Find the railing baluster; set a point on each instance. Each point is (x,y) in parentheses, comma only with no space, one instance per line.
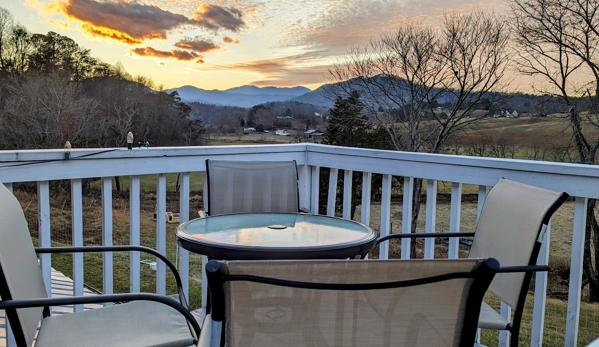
(43,200)
(314,189)
(107,235)
(134,232)
(332,196)
(385,215)
(184,191)
(10,337)
(540,298)
(574,292)
(454,220)
(366,192)
(406,221)
(77,235)
(431,214)
(304,186)
(161,232)
(347,193)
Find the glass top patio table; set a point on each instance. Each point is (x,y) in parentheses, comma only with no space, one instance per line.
(256,236)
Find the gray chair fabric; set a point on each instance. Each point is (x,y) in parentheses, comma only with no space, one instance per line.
(510,229)
(413,303)
(594,343)
(252,186)
(136,324)
(139,323)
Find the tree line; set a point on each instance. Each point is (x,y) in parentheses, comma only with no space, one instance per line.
(52,91)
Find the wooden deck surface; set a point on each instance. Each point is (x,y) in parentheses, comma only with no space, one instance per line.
(61,286)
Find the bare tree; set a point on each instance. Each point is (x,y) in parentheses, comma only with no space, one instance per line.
(559,45)
(403,78)
(6,23)
(44,111)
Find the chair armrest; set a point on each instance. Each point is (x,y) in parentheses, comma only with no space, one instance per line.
(525,268)
(94,299)
(182,300)
(202,214)
(422,235)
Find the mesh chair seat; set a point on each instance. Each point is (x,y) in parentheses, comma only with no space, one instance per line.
(490,319)
(510,229)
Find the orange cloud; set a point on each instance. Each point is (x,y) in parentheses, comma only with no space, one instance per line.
(176,54)
(133,23)
(197,45)
(228,39)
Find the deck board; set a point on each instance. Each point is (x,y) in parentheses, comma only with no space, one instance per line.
(61,286)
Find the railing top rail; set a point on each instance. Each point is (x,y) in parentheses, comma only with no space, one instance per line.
(38,165)
(575,179)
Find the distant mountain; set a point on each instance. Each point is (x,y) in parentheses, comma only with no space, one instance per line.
(244,96)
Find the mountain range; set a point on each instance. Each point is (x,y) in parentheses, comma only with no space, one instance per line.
(248,96)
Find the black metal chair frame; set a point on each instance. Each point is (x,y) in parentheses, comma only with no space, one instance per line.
(514,327)
(10,305)
(483,275)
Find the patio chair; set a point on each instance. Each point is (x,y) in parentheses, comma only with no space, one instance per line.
(251,186)
(346,302)
(147,320)
(511,228)
(594,343)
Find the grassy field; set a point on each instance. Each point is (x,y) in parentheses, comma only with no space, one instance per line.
(523,133)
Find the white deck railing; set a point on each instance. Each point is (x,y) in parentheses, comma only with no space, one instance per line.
(42,166)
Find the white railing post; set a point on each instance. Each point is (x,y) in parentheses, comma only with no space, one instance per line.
(431,218)
(406,221)
(366,192)
(107,235)
(385,216)
(77,235)
(574,292)
(43,200)
(10,337)
(304,186)
(332,197)
(184,192)
(347,193)
(454,220)
(134,232)
(161,232)
(314,189)
(540,298)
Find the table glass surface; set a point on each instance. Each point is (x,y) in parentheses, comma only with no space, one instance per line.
(277,230)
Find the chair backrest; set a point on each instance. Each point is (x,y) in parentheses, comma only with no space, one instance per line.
(20,273)
(252,186)
(363,303)
(510,229)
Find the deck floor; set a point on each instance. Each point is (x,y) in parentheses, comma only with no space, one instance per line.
(61,286)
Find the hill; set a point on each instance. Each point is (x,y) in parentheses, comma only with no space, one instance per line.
(244,96)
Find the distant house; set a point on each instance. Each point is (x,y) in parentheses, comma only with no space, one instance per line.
(314,134)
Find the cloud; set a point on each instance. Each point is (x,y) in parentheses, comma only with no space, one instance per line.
(228,39)
(216,17)
(291,70)
(177,54)
(197,45)
(133,23)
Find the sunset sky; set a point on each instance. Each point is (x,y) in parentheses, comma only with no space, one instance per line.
(223,44)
